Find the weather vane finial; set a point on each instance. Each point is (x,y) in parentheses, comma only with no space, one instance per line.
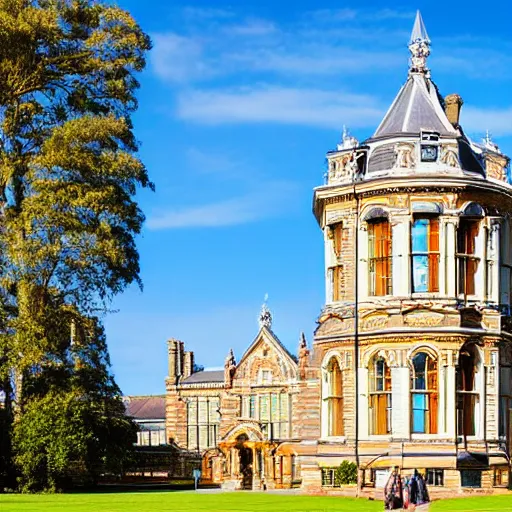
(265,318)
(419,46)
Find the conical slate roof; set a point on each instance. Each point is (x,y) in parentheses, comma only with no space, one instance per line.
(416,108)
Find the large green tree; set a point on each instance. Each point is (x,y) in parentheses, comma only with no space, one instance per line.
(69,172)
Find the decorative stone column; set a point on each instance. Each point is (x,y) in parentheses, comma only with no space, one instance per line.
(450,362)
(362,425)
(400,402)
(450,223)
(400,232)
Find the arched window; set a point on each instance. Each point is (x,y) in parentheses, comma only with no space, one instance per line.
(380,397)
(379,256)
(468,395)
(334,399)
(467,259)
(425,253)
(424,394)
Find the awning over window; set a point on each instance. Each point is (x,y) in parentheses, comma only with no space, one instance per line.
(426,207)
(376,213)
(473,460)
(473,210)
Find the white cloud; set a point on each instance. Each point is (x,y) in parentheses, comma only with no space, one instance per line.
(178,59)
(318,60)
(327,109)
(347,14)
(253,27)
(210,163)
(262,203)
(205,13)
(477,120)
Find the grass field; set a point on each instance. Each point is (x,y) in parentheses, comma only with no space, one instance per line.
(220,502)
(501,503)
(182,502)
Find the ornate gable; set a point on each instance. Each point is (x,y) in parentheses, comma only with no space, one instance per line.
(266,361)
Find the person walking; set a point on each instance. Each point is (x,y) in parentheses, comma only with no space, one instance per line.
(418,493)
(393,495)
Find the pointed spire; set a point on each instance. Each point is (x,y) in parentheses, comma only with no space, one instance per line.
(419,31)
(265,318)
(419,46)
(302,341)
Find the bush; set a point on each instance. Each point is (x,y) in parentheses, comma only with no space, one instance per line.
(346,473)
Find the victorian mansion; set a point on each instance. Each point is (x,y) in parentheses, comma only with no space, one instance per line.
(410,364)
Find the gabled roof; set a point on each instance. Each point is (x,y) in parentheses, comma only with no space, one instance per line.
(417,107)
(205,377)
(145,407)
(274,340)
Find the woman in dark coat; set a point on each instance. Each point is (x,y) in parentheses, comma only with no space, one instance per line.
(418,489)
(393,496)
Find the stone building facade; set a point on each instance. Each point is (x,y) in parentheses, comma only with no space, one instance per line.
(411,361)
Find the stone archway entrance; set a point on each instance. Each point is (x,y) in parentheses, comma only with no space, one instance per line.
(246,453)
(246,459)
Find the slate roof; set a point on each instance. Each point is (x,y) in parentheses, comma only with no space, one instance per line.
(145,407)
(382,158)
(417,107)
(204,377)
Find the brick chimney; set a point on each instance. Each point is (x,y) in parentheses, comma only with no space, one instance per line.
(188,366)
(453,104)
(175,350)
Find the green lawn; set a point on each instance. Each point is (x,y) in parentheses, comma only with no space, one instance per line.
(501,503)
(189,501)
(182,502)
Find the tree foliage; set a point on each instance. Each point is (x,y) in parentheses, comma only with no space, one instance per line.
(69,173)
(346,473)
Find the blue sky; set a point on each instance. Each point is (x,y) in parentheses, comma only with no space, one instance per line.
(238,105)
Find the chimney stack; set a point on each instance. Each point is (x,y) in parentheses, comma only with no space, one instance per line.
(188,367)
(175,350)
(453,104)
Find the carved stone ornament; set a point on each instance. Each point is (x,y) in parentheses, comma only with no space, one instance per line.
(229,369)
(343,168)
(303,356)
(374,322)
(404,156)
(398,201)
(423,319)
(450,157)
(332,325)
(393,358)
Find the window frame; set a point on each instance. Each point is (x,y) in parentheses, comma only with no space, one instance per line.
(380,397)
(433,255)
(277,422)
(334,399)
(435,473)
(466,259)
(380,255)
(468,400)
(430,393)
(211,424)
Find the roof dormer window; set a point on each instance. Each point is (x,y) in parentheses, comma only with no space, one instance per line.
(429,136)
